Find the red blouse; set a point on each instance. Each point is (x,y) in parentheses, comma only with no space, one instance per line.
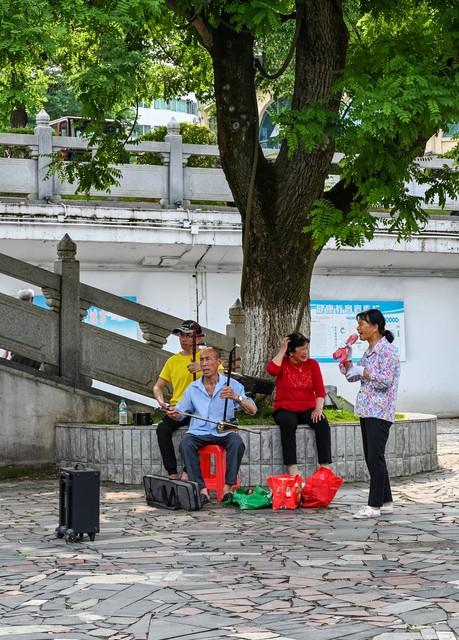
(297,386)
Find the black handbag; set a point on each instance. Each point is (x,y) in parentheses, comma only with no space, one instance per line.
(171,494)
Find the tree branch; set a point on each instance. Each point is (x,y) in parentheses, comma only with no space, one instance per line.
(284,17)
(272,76)
(198,22)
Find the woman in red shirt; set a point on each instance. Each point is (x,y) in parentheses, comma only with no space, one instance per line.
(299,398)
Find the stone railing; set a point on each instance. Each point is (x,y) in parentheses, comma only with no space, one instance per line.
(126,454)
(172,183)
(77,352)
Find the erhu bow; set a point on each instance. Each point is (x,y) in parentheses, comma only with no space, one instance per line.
(193,357)
(228,377)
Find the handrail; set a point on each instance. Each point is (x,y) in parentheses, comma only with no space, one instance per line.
(29,273)
(67,142)
(76,352)
(18,139)
(201,149)
(172,182)
(103,299)
(141,313)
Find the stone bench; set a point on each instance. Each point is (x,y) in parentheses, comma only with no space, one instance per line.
(126,454)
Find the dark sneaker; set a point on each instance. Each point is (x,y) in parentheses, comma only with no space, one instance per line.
(227,499)
(203,499)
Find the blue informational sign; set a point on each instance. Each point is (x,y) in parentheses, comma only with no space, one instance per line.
(105,319)
(333,321)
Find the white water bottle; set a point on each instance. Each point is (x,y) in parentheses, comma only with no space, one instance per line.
(123,412)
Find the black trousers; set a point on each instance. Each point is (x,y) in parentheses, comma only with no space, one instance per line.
(189,450)
(288,422)
(374,436)
(164,432)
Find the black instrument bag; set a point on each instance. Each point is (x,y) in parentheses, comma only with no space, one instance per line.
(171,494)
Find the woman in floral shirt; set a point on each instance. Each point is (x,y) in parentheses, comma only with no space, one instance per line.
(378,372)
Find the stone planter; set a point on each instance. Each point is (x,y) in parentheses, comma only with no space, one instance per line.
(126,454)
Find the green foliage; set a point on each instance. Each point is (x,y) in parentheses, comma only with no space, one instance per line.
(94,169)
(309,129)
(399,86)
(340,415)
(37,472)
(27,130)
(191,134)
(26,44)
(327,221)
(60,99)
(265,411)
(453,153)
(401,81)
(260,17)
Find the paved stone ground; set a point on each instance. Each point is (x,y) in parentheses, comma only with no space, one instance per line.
(221,573)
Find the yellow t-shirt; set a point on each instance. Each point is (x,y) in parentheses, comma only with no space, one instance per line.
(176,373)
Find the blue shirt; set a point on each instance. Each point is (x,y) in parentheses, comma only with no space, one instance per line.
(196,400)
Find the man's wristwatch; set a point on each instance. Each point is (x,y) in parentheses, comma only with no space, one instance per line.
(240,399)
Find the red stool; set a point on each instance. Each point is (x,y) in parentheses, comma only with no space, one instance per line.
(214,481)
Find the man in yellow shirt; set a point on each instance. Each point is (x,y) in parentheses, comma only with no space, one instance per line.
(179,372)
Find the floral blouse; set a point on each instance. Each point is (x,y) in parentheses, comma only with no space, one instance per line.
(377,397)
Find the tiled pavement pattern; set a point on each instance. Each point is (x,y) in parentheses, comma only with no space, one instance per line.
(221,573)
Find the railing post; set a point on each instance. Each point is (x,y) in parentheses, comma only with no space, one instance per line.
(44,134)
(69,327)
(236,328)
(174,138)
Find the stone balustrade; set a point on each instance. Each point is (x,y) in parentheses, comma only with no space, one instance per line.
(173,183)
(125,454)
(78,352)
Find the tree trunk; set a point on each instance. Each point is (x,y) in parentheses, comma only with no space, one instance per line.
(277,297)
(18,119)
(274,198)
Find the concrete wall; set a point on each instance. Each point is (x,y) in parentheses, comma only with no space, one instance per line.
(31,406)
(187,263)
(428,381)
(429,376)
(126,454)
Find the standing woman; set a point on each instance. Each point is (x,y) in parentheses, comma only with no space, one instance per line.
(299,399)
(378,372)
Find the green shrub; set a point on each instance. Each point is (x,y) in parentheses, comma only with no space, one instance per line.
(264,415)
(191,134)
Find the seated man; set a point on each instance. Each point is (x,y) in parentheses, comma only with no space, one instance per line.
(206,397)
(179,371)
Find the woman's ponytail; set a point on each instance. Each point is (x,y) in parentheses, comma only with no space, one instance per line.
(388,335)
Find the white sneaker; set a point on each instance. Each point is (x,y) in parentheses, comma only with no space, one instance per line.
(367,512)
(388,507)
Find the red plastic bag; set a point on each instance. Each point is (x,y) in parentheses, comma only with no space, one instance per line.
(320,488)
(286,490)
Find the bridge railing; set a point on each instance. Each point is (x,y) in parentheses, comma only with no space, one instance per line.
(78,352)
(172,182)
